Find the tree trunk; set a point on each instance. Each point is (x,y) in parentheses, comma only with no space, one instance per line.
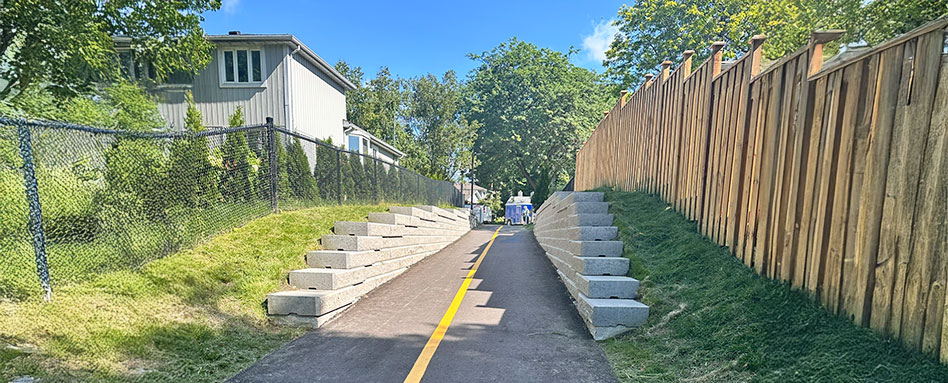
(523,170)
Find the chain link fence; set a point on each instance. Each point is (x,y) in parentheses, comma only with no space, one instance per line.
(76,201)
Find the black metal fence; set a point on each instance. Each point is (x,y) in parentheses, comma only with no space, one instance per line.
(76,201)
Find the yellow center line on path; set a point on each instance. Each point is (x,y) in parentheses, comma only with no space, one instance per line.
(421,364)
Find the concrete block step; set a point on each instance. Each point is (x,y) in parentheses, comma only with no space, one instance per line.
(552,201)
(584,208)
(407,220)
(572,203)
(582,233)
(443,213)
(426,215)
(308,321)
(583,197)
(462,213)
(388,230)
(401,219)
(613,312)
(590,265)
(606,318)
(311,303)
(597,286)
(334,279)
(576,220)
(607,286)
(352,259)
(357,243)
(585,248)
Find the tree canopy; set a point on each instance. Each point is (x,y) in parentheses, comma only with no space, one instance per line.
(434,115)
(423,113)
(373,105)
(68,45)
(535,109)
(651,31)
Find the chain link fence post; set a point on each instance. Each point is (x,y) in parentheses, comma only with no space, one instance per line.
(35,210)
(274,166)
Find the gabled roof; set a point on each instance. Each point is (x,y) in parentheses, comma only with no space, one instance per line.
(349,128)
(466,186)
(291,40)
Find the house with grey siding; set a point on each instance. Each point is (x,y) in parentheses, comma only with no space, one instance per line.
(359,140)
(269,75)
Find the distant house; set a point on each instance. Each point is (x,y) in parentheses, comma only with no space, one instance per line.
(271,75)
(479,192)
(360,141)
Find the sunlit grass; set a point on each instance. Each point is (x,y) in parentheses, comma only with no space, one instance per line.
(193,316)
(714,320)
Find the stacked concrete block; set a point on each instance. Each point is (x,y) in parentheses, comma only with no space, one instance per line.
(575,229)
(360,256)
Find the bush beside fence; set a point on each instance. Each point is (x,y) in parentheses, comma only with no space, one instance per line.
(79,200)
(833,179)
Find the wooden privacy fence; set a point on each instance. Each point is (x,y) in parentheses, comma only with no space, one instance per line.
(833,179)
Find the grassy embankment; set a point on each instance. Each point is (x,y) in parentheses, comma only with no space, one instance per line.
(194,316)
(714,320)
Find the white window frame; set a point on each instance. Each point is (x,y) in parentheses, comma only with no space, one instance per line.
(236,84)
(349,147)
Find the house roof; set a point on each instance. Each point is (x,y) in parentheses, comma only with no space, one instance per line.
(466,187)
(348,128)
(514,200)
(307,53)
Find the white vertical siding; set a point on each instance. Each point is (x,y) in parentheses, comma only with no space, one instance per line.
(318,104)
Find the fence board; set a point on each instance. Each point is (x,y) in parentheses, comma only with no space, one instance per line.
(864,115)
(787,214)
(931,226)
(836,226)
(747,177)
(918,118)
(779,182)
(731,145)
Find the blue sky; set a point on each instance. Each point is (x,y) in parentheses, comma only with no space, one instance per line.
(418,37)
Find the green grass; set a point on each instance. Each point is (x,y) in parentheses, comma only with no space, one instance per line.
(194,316)
(138,242)
(714,320)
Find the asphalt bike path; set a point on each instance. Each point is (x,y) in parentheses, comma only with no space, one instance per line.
(487,308)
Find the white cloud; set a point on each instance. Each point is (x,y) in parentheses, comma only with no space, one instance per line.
(597,43)
(229,6)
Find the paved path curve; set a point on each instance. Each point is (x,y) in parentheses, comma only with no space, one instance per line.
(515,324)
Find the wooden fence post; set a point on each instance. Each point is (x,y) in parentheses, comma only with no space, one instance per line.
(817,39)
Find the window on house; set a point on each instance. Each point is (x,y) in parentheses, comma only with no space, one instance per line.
(365,146)
(354,144)
(242,66)
(139,69)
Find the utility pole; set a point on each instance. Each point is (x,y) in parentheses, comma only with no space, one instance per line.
(472,179)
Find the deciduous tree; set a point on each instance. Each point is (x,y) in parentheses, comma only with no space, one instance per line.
(651,31)
(434,116)
(68,45)
(534,109)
